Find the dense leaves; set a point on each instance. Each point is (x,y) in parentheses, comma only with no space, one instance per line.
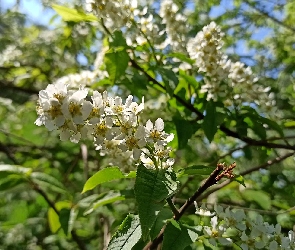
(59,195)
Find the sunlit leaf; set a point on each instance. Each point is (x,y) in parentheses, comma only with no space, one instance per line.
(73,15)
(53,218)
(105,175)
(240,179)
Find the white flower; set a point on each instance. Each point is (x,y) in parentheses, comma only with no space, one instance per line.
(273,245)
(203,211)
(156,133)
(97,107)
(115,127)
(50,106)
(103,130)
(135,108)
(115,106)
(214,231)
(235,218)
(76,107)
(134,142)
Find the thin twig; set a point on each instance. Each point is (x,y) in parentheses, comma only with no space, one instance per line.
(262,166)
(211,180)
(84,153)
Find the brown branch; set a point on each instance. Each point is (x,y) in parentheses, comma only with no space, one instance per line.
(9,85)
(211,180)
(262,166)
(5,149)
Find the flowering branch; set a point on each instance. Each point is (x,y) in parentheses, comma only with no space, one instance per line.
(224,129)
(220,171)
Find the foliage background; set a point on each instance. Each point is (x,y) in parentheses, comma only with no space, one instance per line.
(258,33)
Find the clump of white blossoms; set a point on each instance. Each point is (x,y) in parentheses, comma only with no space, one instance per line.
(113,125)
(231,81)
(205,49)
(176,27)
(115,14)
(245,232)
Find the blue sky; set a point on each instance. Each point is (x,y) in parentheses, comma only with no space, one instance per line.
(33,8)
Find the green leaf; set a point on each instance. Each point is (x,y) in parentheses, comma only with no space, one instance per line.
(240,179)
(164,215)
(11,181)
(289,124)
(210,124)
(105,198)
(73,15)
(189,79)
(15,169)
(241,126)
(116,60)
(170,80)
(13,175)
(196,170)
(19,212)
(184,130)
(273,125)
(72,219)
(261,198)
(181,57)
(105,175)
(48,181)
(109,198)
(53,218)
(259,129)
(151,189)
(178,236)
(64,217)
(139,245)
(117,40)
(127,235)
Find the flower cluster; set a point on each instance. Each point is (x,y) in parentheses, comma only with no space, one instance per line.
(115,14)
(224,78)
(205,49)
(9,55)
(176,27)
(113,125)
(248,233)
(84,78)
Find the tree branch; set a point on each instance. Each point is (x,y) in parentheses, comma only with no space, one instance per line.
(211,180)
(262,166)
